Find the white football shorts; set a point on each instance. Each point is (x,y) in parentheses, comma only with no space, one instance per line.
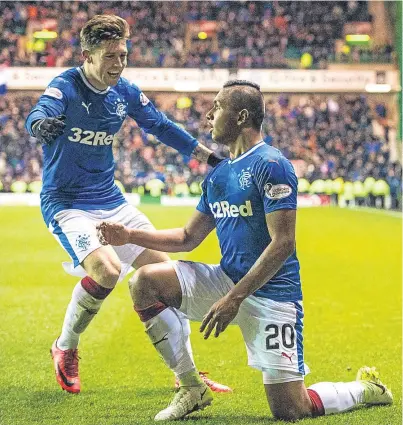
(272,330)
(76,232)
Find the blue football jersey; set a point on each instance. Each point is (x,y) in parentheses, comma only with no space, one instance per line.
(78,168)
(238,194)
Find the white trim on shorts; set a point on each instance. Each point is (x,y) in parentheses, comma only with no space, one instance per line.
(278,376)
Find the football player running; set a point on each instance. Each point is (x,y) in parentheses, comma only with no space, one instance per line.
(76,119)
(251,200)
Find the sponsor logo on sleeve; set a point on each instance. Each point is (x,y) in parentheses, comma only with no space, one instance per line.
(53,92)
(277,191)
(144,100)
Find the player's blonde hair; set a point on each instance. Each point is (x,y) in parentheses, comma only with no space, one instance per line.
(103,28)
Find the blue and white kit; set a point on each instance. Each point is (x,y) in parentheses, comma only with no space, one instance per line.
(78,167)
(238,194)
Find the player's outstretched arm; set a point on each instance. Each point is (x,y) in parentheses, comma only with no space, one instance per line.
(170,240)
(281,226)
(47,130)
(46,121)
(153,121)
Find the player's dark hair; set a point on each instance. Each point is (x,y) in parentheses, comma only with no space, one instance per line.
(247,95)
(233,83)
(103,28)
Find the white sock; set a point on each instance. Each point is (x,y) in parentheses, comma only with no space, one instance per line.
(338,397)
(169,338)
(82,309)
(186,332)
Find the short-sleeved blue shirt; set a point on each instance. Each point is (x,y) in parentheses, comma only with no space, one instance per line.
(78,167)
(239,194)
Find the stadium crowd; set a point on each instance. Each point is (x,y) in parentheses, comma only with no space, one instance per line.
(328,137)
(248,34)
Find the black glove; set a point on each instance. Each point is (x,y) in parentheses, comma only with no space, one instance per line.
(214,160)
(48,130)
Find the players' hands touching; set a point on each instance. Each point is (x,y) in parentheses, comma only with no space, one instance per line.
(220,315)
(204,154)
(48,130)
(112,233)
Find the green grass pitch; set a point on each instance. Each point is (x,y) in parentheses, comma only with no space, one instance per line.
(351,271)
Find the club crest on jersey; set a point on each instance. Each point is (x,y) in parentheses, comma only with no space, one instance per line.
(277,191)
(83,242)
(121,109)
(245,178)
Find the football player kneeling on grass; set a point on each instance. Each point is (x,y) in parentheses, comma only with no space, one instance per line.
(251,201)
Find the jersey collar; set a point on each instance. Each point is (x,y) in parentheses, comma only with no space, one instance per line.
(88,84)
(248,152)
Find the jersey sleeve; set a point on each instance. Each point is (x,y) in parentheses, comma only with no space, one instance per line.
(152,121)
(203,205)
(277,184)
(52,103)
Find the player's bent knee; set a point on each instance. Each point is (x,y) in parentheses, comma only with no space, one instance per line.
(111,276)
(155,283)
(290,413)
(288,401)
(143,286)
(106,273)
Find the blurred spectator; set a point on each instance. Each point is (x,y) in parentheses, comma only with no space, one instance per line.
(395,185)
(331,134)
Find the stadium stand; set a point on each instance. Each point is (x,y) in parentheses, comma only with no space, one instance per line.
(327,137)
(272,34)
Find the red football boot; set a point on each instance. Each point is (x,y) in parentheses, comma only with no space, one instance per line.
(66,368)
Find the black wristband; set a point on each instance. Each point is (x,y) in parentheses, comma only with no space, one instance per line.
(213,160)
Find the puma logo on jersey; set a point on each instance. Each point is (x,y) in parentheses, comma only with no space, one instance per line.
(224,209)
(87,107)
(287,356)
(89,137)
